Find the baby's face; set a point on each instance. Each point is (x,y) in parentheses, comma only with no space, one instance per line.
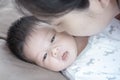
(51,50)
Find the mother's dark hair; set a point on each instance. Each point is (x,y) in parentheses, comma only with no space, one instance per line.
(50,8)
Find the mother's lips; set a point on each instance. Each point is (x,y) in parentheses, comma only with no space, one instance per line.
(64,56)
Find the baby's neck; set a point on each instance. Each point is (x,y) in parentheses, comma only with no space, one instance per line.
(81,43)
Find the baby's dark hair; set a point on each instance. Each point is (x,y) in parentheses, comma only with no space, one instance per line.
(17,34)
(50,8)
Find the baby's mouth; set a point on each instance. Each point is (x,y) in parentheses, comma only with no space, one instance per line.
(65,55)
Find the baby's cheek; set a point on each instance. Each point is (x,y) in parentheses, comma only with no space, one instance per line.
(54,65)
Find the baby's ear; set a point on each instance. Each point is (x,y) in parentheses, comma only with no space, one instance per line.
(104,3)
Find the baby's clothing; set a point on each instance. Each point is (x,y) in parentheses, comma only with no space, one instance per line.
(100,60)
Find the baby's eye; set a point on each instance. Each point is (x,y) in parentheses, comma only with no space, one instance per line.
(53,38)
(45,56)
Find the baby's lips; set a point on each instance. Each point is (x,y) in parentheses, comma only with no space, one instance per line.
(65,55)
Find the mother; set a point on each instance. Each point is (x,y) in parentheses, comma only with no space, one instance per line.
(76,17)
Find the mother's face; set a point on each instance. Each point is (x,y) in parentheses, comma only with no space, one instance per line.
(85,22)
(81,23)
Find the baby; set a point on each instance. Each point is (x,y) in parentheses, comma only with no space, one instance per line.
(79,58)
(35,41)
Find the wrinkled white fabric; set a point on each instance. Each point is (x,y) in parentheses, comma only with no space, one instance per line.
(100,60)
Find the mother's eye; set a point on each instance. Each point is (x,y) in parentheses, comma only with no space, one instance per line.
(52,39)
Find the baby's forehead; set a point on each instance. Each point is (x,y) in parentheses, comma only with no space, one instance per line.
(40,31)
(43,25)
(43,29)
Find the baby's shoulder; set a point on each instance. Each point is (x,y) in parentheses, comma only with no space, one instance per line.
(113,29)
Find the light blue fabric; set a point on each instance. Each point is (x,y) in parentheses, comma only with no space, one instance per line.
(100,60)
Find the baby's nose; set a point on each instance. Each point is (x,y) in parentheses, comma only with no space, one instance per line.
(55,51)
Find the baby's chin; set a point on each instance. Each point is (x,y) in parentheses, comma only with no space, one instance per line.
(57,69)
